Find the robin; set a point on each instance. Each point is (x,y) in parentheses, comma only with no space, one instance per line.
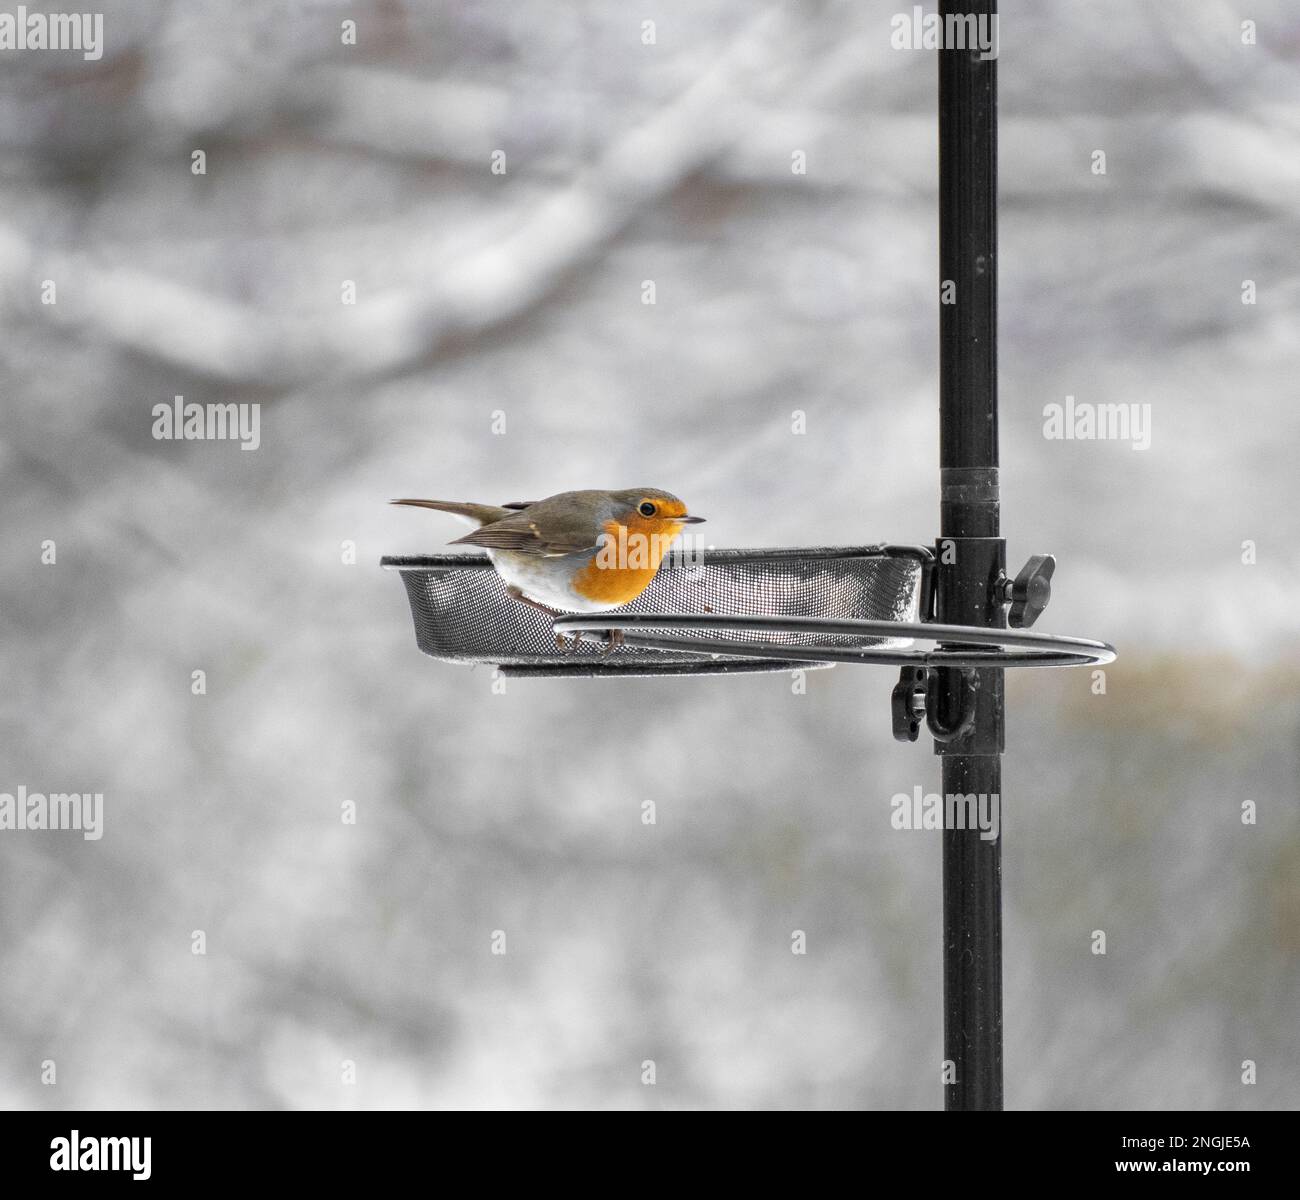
(584,552)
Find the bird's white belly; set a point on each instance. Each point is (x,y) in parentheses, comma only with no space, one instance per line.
(546,580)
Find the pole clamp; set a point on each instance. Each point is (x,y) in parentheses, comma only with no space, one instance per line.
(915,698)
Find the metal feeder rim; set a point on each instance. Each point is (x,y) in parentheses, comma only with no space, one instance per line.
(1030,649)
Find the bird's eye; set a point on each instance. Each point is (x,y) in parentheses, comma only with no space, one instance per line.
(646,509)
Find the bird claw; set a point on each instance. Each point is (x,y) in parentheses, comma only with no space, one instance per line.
(612,639)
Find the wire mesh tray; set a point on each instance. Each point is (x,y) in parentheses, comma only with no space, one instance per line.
(463,615)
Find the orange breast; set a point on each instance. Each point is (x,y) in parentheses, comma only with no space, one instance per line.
(627,562)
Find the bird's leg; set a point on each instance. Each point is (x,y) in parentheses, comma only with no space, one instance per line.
(613,640)
(516,593)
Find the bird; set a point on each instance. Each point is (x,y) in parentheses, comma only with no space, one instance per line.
(585,552)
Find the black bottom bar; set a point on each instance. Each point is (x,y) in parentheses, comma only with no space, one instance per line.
(369,1152)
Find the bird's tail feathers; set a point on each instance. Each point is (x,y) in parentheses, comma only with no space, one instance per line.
(478,514)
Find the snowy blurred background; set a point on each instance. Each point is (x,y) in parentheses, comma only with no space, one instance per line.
(630,160)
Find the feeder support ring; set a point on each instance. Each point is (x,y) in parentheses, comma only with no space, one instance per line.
(960,645)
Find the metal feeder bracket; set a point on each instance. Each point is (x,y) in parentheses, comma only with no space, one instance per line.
(915,698)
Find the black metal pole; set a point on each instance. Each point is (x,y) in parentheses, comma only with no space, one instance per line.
(971,554)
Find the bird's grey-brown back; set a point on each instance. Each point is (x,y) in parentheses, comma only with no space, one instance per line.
(566,523)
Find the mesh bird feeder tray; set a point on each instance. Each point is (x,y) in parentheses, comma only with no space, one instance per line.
(700,616)
(463,615)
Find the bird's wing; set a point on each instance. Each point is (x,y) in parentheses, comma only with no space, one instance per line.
(520,504)
(522,533)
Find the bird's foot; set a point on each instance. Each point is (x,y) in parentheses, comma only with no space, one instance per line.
(609,639)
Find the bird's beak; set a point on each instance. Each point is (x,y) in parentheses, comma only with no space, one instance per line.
(691,520)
